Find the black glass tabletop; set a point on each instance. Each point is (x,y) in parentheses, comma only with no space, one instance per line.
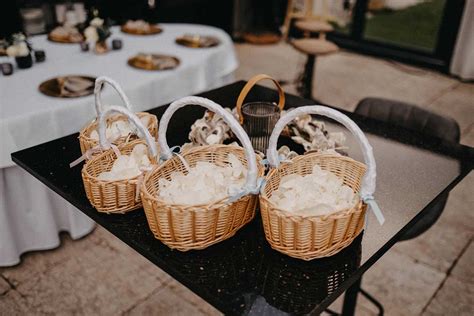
(243,275)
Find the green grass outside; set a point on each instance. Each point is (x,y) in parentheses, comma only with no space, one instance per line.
(416,26)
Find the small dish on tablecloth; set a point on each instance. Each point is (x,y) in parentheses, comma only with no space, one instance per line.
(197,41)
(153,61)
(66,35)
(140,27)
(68,86)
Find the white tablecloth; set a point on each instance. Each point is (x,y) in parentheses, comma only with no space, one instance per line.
(30,214)
(25,112)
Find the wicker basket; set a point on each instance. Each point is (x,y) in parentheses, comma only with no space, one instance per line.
(186,227)
(310,237)
(119,196)
(87,143)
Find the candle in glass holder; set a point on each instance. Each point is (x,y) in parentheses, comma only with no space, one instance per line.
(40,56)
(7,69)
(117,44)
(84,46)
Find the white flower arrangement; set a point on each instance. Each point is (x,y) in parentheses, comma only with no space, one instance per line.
(204,183)
(97,22)
(97,31)
(19,48)
(91,34)
(318,193)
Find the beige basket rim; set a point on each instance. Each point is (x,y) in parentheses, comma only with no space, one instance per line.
(85,132)
(183,207)
(336,214)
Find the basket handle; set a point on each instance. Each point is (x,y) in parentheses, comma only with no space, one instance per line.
(249,85)
(368,182)
(99,83)
(166,153)
(133,118)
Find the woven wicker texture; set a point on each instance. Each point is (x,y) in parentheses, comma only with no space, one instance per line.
(115,196)
(111,196)
(186,227)
(88,143)
(316,236)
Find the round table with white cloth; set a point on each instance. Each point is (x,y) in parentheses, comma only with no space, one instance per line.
(30,214)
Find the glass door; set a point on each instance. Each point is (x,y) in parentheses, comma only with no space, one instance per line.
(407,23)
(421,32)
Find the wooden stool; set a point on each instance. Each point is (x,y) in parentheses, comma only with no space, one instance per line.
(314,26)
(296,11)
(312,47)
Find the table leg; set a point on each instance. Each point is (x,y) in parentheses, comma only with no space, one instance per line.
(350,299)
(305,85)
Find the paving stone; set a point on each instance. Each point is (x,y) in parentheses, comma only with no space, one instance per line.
(164,302)
(361,308)
(457,103)
(467,137)
(441,245)
(402,285)
(463,270)
(280,61)
(458,211)
(4,286)
(38,262)
(98,280)
(102,236)
(12,303)
(343,79)
(438,247)
(454,298)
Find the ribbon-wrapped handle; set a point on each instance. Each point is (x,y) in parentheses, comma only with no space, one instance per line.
(166,153)
(369,180)
(99,83)
(133,119)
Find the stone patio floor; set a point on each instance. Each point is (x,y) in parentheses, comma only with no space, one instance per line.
(431,275)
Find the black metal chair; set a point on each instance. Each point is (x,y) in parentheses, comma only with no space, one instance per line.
(423,121)
(414,118)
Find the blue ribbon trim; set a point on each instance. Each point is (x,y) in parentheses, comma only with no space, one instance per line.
(245,191)
(173,151)
(370,201)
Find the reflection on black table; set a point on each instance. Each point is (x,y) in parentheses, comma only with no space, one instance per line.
(243,275)
(296,286)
